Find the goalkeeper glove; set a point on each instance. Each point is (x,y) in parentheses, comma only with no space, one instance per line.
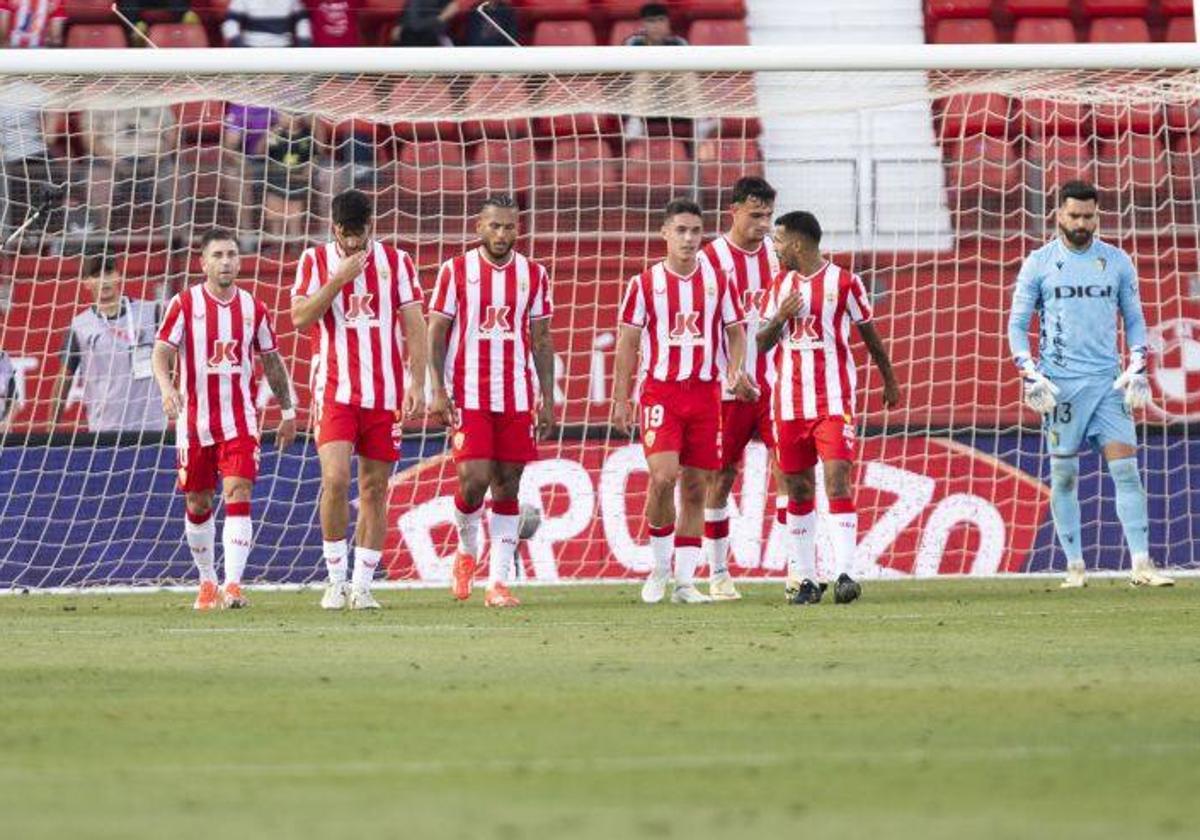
(1040,392)
(1134,382)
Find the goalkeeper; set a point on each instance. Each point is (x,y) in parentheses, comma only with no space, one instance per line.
(1077,284)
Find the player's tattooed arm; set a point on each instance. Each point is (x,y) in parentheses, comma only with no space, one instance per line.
(440,406)
(162,360)
(543,362)
(891,390)
(281,387)
(623,414)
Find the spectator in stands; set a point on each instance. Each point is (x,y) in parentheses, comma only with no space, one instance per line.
(335,22)
(8,391)
(32,23)
(289,173)
(108,346)
(423,23)
(267,23)
(480,33)
(25,167)
(243,164)
(131,161)
(656,29)
(142,13)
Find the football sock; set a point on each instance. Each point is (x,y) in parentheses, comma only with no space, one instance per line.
(237,535)
(365,561)
(687,558)
(466,522)
(334,552)
(802,541)
(1064,505)
(844,519)
(1131,506)
(662,545)
(200,531)
(716,540)
(502,540)
(781,509)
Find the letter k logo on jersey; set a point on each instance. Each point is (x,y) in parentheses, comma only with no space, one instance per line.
(753,301)
(687,325)
(224,355)
(496,321)
(359,308)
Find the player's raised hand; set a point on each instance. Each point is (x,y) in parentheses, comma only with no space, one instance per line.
(286,433)
(441,407)
(545,424)
(349,268)
(623,416)
(789,306)
(172,403)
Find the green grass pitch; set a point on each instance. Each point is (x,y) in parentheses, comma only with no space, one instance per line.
(946,709)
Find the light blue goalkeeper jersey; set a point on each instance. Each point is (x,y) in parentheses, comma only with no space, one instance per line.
(1076,295)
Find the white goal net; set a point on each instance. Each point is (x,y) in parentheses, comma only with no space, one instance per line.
(931,184)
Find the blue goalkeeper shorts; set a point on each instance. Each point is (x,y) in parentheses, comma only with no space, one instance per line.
(1088,409)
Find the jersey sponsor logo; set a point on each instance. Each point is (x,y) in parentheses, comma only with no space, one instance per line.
(686,329)
(753,301)
(802,333)
(359,312)
(225,357)
(1070,292)
(497,322)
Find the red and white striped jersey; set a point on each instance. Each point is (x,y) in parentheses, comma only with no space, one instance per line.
(360,359)
(216,341)
(751,273)
(682,320)
(489,358)
(815,375)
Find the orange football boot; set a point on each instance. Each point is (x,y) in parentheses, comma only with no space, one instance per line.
(232,597)
(499,596)
(209,597)
(464,575)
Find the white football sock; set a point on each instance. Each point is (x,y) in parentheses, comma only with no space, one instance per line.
(365,561)
(502,545)
(467,526)
(716,540)
(845,536)
(200,539)
(802,544)
(687,558)
(334,552)
(662,546)
(237,536)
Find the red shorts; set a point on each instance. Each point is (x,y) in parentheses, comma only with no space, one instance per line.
(800,442)
(481,435)
(741,422)
(375,432)
(198,465)
(683,417)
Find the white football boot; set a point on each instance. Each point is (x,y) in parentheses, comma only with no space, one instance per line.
(334,597)
(1145,574)
(655,588)
(362,599)
(721,588)
(689,594)
(1076,577)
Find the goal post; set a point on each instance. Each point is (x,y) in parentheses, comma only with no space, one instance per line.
(932,169)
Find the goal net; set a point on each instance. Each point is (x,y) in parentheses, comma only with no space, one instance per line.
(932,184)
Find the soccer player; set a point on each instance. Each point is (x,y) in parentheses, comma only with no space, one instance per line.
(810,308)
(489,333)
(215,330)
(747,256)
(361,294)
(1078,284)
(675,311)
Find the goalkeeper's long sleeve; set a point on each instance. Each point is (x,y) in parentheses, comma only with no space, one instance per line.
(1025,303)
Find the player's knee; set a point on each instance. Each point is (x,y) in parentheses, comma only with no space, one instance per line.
(801,488)
(719,487)
(663,481)
(837,481)
(199,504)
(336,483)
(1064,473)
(1124,472)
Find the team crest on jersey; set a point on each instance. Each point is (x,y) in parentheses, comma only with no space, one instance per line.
(649,437)
(459,439)
(497,322)
(1101,264)
(710,287)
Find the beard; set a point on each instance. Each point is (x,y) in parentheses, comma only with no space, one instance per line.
(1078,238)
(497,250)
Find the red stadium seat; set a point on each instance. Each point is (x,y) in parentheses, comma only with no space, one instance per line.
(711,9)
(333,95)
(1044,117)
(433,167)
(621,30)
(618,9)
(964,32)
(1119,30)
(946,9)
(1038,8)
(564,33)
(1044,31)
(1063,159)
(578,167)
(722,162)
(79,11)
(1115,120)
(983,164)
(1181,30)
(976,113)
(657,163)
(497,93)
(586,124)
(501,166)
(1132,162)
(1180,8)
(535,10)
(1185,165)
(1184,118)
(183,35)
(709,32)
(430,96)
(200,120)
(1115,8)
(96,36)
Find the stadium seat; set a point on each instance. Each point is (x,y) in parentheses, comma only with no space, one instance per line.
(622,29)
(1185,165)
(1119,30)
(1115,8)
(982,163)
(96,36)
(429,96)
(1035,30)
(710,9)
(1062,159)
(1038,8)
(1115,120)
(184,35)
(497,93)
(1044,117)
(535,10)
(577,167)
(1181,30)
(1132,162)
(976,113)
(657,164)
(964,32)
(82,11)
(435,166)
(710,32)
(200,120)
(564,33)
(1176,8)
(946,9)
(501,166)
(721,162)
(344,95)
(617,9)
(1184,118)
(587,124)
